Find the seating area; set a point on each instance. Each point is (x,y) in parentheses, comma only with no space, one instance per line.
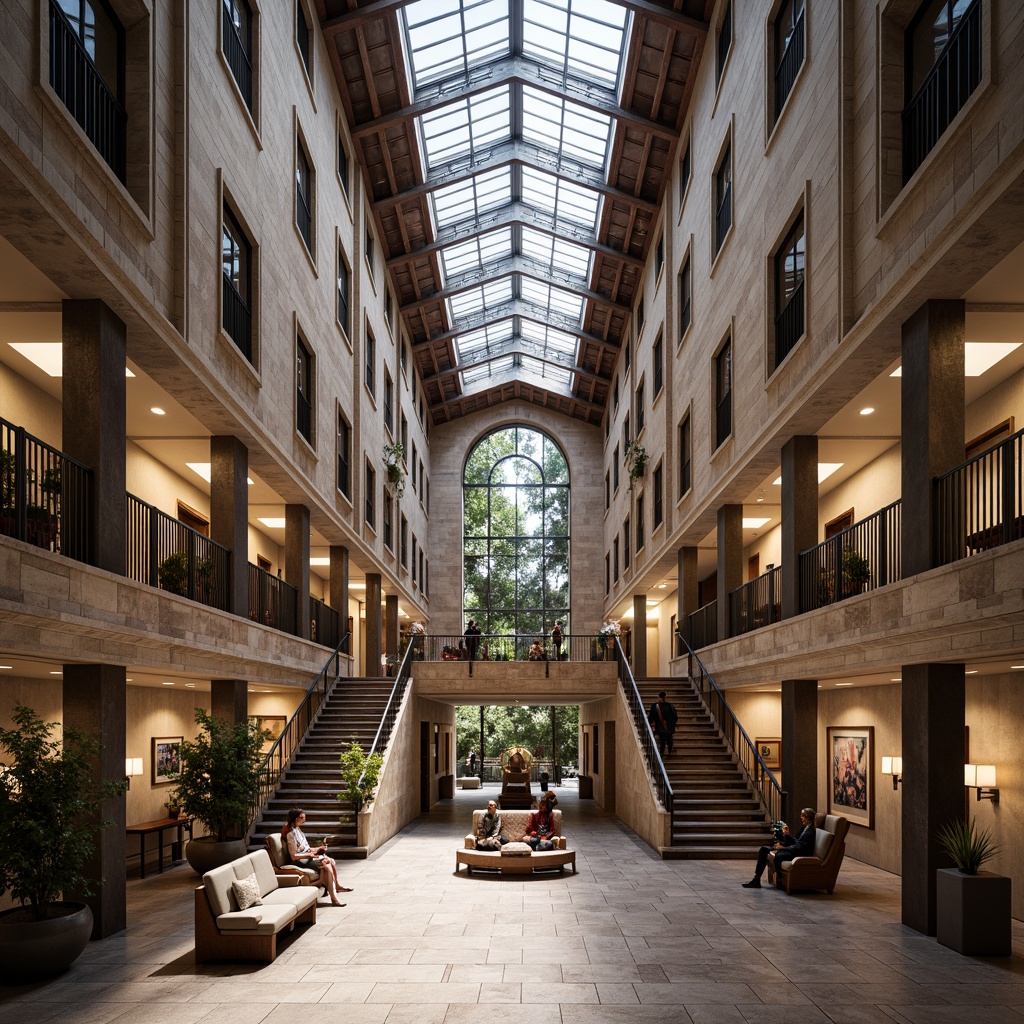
(277,847)
(516,858)
(242,907)
(820,870)
(468,782)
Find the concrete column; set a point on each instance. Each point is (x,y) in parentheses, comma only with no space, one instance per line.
(94,702)
(373,625)
(339,590)
(799,747)
(932,403)
(93,419)
(639,636)
(688,595)
(799,514)
(391,625)
(296,562)
(229,514)
(229,699)
(933,780)
(730,561)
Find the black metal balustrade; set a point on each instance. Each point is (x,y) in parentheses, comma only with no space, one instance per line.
(324,623)
(791,62)
(272,601)
(393,706)
(862,557)
(757,603)
(496,647)
(237,318)
(161,552)
(980,504)
(789,324)
(237,57)
(955,75)
(45,497)
(703,625)
(303,416)
(78,83)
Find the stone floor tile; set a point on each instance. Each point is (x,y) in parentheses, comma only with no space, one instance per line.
(385,992)
(497,992)
(616,992)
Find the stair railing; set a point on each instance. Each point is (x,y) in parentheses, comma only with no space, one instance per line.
(758,774)
(387,720)
(658,774)
(279,756)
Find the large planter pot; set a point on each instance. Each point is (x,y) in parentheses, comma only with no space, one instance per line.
(205,853)
(973,912)
(30,950)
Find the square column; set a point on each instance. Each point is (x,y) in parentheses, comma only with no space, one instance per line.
(730,561)
(296,562)
(933,780)
(932,411)
(229,514)
(799,747)
(339,590)
(688,593)
(799,514)
(391,625)
(639,636)
(94,702)
(373,625)
(93,420)
(229,699)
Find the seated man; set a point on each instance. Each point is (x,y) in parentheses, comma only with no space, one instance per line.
(488,836)
(536,652)
(540,832)
(786,848)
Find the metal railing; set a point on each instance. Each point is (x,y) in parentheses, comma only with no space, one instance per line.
(237,57)
(272,601)
(980,504)
(324,623)
(952,79)
(162,552)
(277,759)
(789,324)
(45,497)
(703,625)
(497,647)
(303,416)
(237,318)
(391,709)
(758,774)
(78,83)
(862,557)
(790,63)
(757,603)
(648,742)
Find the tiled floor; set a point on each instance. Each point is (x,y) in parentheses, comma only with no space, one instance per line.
(631,938)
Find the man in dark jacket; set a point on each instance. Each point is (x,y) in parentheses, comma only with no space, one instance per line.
(663,719)
(786,848)
(472,636)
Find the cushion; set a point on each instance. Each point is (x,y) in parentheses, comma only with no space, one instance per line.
(218,889)
(516,850)
(263,866)
(247,891)
(822,842)
(240,921)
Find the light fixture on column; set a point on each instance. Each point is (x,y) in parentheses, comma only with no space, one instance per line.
(893,766)
(132,768)
(982,777)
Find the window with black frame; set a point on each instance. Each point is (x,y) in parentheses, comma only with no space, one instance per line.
(658,365)
(236,267)
(723,393)
(625,543)
(236,43)
(304,195)
(302,37)
(344,456)
(789,291)
(724,43)
(304,389)
(389,402)
(343,164)
(343,294)
(386,518)
(723,198)
(370,378)
(640,539)
(658,495)
(684,174)
(789,44)
(685,445)
(370,506)
(684,298)
(943,64)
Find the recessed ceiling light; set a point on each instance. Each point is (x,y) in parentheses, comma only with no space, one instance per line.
(48,356)
(825,470)
(272,522)
(157,411)
(56,673)
(1012,666)
(662,586)
(755,523)
(867,410)
(168,683)
(972,672)
(979,356)
(319,561)
(6,666)
(844,684)
(128,679)
(896,679)
(190,686)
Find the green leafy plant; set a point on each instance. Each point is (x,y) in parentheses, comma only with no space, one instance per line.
(173,573)
(856,571)
(967,846)
(6,480)
(394,464)
(49,811)
(360,775)
(220,774)
(636,460)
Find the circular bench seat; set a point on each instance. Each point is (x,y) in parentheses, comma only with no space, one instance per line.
(546,860)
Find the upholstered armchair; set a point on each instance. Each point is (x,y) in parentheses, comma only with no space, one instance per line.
(820,870)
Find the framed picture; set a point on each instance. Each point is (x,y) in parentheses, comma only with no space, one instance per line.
(851,752)
(166,758)
(274,724)
(770,748)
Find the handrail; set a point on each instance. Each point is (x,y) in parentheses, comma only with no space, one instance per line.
(758,774)
(658,772)
(387,719)
(498,647)
(280,754)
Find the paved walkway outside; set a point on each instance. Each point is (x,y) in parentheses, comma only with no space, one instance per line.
(631,938)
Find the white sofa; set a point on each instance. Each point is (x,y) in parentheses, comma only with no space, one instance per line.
(513,860)
(225,932)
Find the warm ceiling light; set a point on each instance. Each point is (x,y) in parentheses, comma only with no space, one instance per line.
(662,586)
(190,686)
(755,523)
(896,679)
(972,672)
(128,679)
(48,356)
(825,470)
(1012,666)
(157,411)
(867,410)
(6,666)
(56,673)
(319,561)
(357,586)
(203,469)
(844,684)
(273,524)
(167,683)
(979,356)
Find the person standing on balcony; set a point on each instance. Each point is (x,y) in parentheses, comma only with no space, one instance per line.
(663,719)
(472,636)
(556,639)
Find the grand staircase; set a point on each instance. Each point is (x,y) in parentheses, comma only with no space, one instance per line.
(353,710)
(716,814)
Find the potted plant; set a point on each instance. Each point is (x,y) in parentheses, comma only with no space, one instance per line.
(360,775)
(394,465)
(856,571)
(607,634)
(972,906)
(173,573)
(636,460)
(49,820)
(218,785)
(173,809)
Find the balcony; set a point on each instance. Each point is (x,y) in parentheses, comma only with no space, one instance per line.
(757,603)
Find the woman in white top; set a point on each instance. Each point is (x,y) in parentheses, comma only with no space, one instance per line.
(306,856)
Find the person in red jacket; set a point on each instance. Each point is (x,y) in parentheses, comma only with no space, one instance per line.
(540,832)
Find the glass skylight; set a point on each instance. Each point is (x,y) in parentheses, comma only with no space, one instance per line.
(460,129)
(549,338)
(562,126)
(556,253)
(476,253)
(566,200)
(448,37)
(582,37)
(484,341)
(470,198)
(482,297)
(557,299)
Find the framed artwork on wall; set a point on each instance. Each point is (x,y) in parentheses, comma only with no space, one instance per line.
(166,758)
(851,751)
(274,724)
(770,749)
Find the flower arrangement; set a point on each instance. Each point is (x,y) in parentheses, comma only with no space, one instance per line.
(417,628)
(610,628)
(394,464)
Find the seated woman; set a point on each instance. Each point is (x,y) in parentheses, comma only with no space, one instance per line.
(540,832)
(488,835)
(536,652)
(304,855)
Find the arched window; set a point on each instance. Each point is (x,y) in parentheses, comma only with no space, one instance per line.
(516,533)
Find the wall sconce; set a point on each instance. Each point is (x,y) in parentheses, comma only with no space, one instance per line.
(982,777)
(132,768)
(893,766)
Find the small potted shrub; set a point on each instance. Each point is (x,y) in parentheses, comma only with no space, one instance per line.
(173,573)
(856,571)
(360,774)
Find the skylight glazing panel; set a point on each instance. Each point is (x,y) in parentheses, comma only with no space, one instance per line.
(473,300)
(556,299)
(556,253)
(472,198)
(448,37)
(549,338)
(564,127)
(476,253)
(584,37)
(566,200)
(547,372)
(484,340)
(496,367)
(460,129)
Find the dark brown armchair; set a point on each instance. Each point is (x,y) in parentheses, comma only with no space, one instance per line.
(820,870)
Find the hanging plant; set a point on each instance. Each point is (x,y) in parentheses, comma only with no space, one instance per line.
(394,465)
(636,461)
